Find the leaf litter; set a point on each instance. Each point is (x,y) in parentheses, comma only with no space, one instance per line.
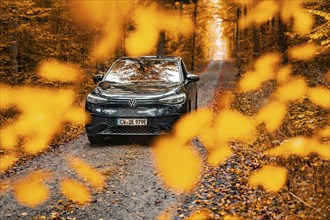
(226,190)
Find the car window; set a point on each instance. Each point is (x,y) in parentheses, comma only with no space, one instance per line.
(145,70)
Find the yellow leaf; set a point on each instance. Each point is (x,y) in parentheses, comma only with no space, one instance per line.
(95,178)
(303,22)
(219,155)
(270,177)
(284,74)
(272,115)
(208,138)
(303,52)
(57,71)
(75,191)
(40,119)
(292,90)
(190,125)
(323,150)
(301,146)
(297,145)
(233,125)
(289,8)
(31,190)
(149,22)
(178,165)
(264,70)
(77,116)
(261,13)
(250,82)
(319,96)
(8,138)
(266,65)
(7,160)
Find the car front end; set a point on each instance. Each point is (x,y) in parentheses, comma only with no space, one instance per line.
(137,98)
(135,115)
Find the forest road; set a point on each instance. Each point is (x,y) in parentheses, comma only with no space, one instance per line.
(133,189)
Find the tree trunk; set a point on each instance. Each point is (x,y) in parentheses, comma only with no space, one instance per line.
(256,42)
(282,39)
(194,38)
(180,35)
(161,38)
(161,44)
(13,49)
(238,56)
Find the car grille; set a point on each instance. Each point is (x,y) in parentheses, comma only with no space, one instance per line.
(154,125)
(133,130)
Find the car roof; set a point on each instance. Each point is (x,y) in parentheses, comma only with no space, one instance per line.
(174,58)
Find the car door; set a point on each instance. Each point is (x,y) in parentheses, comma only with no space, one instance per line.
(191,88)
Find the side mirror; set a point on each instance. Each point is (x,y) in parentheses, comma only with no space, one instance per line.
(192,78)
(97,78)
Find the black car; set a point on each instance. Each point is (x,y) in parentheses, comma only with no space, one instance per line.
(143,96)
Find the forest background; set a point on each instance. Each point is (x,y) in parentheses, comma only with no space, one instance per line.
(34,31)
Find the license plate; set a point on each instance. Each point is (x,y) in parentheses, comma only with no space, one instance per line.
(132,121)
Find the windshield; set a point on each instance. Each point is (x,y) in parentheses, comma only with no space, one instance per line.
(148,70)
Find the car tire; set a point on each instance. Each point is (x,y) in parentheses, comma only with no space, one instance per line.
(96,139)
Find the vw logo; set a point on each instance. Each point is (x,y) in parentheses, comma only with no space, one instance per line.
(132,102)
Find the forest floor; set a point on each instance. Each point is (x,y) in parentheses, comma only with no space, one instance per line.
(224,190)
(133,190)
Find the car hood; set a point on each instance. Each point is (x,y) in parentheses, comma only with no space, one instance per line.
(134,90)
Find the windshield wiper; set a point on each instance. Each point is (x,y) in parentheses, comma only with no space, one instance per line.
(109,81)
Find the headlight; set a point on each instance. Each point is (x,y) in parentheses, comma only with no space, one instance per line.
(95,99)
(175,99)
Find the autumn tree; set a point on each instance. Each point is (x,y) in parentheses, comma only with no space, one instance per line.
(38,30)
(246,44)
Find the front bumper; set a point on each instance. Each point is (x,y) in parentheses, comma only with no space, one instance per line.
(160,117)
(107,126)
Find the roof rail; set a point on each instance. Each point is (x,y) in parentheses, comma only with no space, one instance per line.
(161,57)
(148,57)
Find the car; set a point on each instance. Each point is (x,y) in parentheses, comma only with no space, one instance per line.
(140,96)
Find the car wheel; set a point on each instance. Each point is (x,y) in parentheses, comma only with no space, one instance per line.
(96,139)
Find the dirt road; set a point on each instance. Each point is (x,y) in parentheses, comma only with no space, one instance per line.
(133,189)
